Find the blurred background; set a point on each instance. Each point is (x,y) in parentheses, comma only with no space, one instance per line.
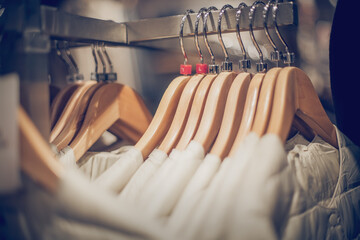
(149,71)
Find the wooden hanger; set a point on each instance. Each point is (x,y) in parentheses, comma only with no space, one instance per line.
(295,95)
(69,108)
(111,103)
(196,111)
(59,102)
(181,115)
(37,159)
(232,115)
(265,102)
(73,124)
(214,110)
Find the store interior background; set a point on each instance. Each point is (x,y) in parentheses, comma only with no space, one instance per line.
(150,70)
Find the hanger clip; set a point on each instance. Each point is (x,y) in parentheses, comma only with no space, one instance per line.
(289,58)
(213,68)
(244,64)
(261,67)
(226,66)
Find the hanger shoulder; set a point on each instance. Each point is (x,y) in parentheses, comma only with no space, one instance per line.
(214,109)
(247,120)
(111,103)
(196,111)
(60,101)
(37,159)
(76,118)
(295,94)
(161,120)
(232,116)
(265,102)
(69,109)
(181,114)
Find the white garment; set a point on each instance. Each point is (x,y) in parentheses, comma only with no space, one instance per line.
(118,175)
(77,210)
(192,194)
(164,197)
(217,198)
(138,181)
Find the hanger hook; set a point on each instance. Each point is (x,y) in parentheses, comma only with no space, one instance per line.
(261,66)
(243,63)
(101,57)
(94,74)
(196,33)
(72,60)
(185,69)
(213,67)
(289,57)
(200,67)
(111,75)
(276,55)
(63,59)
(226,65)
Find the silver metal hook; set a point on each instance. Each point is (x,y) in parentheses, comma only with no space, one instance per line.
(213,67)
(276,54)
(196,32)
(93,75)
(288,57)
(72,60)
(243,63)
(261,66)
(101,57)
(222,11)
(181,34)
(111,75)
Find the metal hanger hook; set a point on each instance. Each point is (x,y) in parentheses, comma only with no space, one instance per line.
(181,33)
(261,66)
(72,60)
(276,54)
(243,63)
(196,32)
(212,8)
(289,57)
(222,11)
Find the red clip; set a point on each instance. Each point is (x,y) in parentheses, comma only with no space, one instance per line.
(202,68)
(185,69)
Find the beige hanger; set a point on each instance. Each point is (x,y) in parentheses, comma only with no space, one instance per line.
(232,115)
(295,94)
(73,124)
(37,159)
(235,100)
(214,110)
(69,108)
(202,91)
(111,103)
(60,101)
(163,116)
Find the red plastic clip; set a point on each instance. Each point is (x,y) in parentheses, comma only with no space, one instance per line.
(202,68)
(185,69)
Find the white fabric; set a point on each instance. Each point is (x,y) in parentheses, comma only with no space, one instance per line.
(138,181)
(67,158)
(192,194)
(207,220)
(118,175)
(164,197)
(78,210)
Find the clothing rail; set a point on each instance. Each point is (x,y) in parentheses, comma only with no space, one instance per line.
(61,25)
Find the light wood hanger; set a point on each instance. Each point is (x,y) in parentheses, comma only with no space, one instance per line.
(196,111)
(111,103)
(37,159)
(163,116)
(202,91)
(73,124)
(253,90)
(181,115)
(265,102)
(232,115)
(214,110)
(60,101)
(69,108)
(295,95)
(236,98)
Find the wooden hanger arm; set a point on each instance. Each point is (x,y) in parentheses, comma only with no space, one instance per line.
(295,94)
(37,159)
(181,115)
(162,118)
(196,111)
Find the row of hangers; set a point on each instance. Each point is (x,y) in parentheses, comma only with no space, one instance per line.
(218,110)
